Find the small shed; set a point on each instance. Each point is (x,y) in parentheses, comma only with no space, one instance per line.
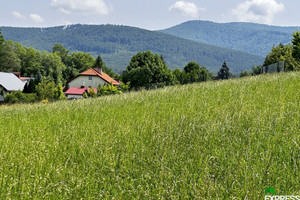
(77,92)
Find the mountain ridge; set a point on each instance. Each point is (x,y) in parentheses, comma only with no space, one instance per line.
(118,43)
(253,38)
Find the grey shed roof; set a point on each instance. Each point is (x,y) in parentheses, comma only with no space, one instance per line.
(10,82)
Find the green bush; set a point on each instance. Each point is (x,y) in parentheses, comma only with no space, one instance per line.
(124,87)
(244,74)
(109,89)
(47,89)
(19,97)
(92,93)
(85,95)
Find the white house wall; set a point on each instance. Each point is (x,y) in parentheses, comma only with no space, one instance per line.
(84,81)
(74,96)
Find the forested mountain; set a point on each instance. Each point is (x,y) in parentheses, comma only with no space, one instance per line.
(117,44)
(253,38)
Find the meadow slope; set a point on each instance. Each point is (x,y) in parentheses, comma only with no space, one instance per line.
(225,139)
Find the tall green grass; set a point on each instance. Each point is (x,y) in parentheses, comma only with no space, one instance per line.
(216,140)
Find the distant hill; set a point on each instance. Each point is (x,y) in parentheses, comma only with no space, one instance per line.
(253,38)
(117,44)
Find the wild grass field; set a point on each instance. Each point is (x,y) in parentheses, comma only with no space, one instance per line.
(215,140)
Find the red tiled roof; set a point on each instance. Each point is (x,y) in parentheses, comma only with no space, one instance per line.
(76,90)
(79,90)
(94,72)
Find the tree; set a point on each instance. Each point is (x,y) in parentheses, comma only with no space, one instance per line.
(191,66)
(80,61)
(245,73)
(148,70)
(30,61)
(71,69)
(256,70)
(193,72)
(296,45)
(61,51)
(224,72)
(178,76)
(282,53)
(29,87)
(52,67)
(100,64)
(9,61)
(46,89)
(1,38)
(59,94)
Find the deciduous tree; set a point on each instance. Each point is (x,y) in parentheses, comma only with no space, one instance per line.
(9,60)
(296,45)
(148,70)
(282,53)
(193,72)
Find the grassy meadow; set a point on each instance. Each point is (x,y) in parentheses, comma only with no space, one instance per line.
(215,140)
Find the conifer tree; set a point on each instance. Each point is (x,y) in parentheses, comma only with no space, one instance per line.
(99,63)
(224,72)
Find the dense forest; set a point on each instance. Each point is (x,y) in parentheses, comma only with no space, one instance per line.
(253,38)
(117,44)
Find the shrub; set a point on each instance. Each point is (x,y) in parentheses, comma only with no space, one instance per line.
(245,73)
(19,97)
(92,93)
(124,87)
(108,89)
(47,89)
(85,95)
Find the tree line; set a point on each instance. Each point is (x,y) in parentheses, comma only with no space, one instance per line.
(289,53)
(146,70)
(53,69)
(117,44)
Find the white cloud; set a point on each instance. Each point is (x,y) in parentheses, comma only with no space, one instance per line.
(36,18)
(18,15)
(257,11)
(83,6)
(187,9)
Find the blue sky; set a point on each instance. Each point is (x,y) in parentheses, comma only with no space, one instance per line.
(150,14)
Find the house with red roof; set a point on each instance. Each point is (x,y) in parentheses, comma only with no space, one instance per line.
(77,92)
(90,78)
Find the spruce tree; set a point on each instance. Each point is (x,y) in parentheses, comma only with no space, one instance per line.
(99,63)
(224,72)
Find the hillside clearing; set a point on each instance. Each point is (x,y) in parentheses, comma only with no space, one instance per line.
(224,139)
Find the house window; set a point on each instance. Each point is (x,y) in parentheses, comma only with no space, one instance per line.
(90,77)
